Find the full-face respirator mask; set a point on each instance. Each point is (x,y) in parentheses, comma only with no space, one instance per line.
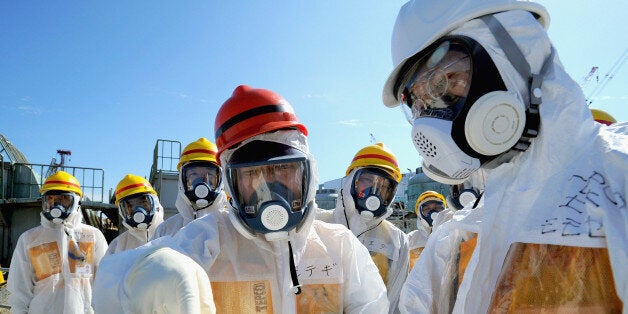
(269,182)
(463,114)
(373,190)
(201,182)
(58,205)
(138,210)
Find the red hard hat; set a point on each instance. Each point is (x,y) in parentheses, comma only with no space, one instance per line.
(252,111)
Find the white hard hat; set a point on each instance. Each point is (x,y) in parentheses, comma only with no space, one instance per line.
(419,23)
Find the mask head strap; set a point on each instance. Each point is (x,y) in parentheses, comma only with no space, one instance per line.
(517,59)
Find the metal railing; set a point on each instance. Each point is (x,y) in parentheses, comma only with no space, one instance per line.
(26,180)
(165,157)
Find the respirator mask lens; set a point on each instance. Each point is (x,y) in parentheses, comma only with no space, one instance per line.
(430,207)
(54,199)
(137,204)
(368,183)
(199,173)
(436,85)
(256,184)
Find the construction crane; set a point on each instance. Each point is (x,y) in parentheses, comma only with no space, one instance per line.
(607,77)
(588,77)
(54,165)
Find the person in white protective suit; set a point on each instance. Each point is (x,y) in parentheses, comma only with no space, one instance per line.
(53,265)
(199,187)
(267,253)
(153,279)
(431,210)
(141,213)
(483,89)
(368,190)
(445,248)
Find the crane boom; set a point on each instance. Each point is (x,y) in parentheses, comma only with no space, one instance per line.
(607,77)
(587,77)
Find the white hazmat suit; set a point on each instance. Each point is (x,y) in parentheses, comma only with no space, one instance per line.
(53,267)
(151,279)
(186,213)
(249,273)
(552,222)
(387,244)
(418,238)
(434,278)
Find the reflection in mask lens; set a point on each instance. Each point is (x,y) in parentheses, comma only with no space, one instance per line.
(255,185)
(370,183)
(130,203)
(432,207)
(437,84)
(64,199)
(198,173)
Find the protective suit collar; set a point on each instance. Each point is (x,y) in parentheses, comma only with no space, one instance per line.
(188,212)
(348,215)
(295,139)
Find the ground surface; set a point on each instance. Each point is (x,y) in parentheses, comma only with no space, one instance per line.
(4,295)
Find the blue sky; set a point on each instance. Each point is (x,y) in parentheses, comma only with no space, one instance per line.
(106,79)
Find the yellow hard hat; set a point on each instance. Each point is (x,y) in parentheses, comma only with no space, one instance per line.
(602,117)
(61,181)
(132,184)
(379,156)
(201,150)
(428,196)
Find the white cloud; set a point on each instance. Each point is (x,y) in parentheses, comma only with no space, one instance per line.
(313,96)
(352,122)
(31,110)
(611,97)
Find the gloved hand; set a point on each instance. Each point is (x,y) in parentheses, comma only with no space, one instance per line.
(442,217)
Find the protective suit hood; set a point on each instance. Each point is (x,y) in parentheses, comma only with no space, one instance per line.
(346,211)
(526,198)
(593,158)
(530,37)
(420,23)
(562,107)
